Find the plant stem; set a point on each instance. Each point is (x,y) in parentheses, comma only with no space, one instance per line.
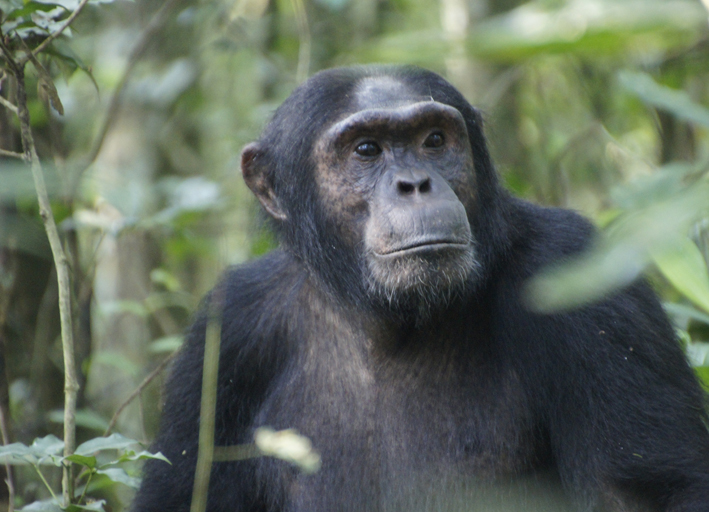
(210,375)
(44,480)
(71,386)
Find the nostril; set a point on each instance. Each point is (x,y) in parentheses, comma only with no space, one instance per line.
(425,187)
(404,187)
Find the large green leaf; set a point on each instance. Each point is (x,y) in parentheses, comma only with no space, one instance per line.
(44,450)
(684,266)
(683,311)
(621,255)
(112,442)
(676,102)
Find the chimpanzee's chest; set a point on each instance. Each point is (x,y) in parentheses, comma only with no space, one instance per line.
(399,432)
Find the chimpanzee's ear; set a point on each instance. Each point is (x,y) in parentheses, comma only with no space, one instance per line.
(258,178)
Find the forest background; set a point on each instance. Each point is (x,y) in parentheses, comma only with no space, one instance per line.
(139,111)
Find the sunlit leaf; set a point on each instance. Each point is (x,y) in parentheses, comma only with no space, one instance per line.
(112,442)
(620,256)
(288,445)
(684,266)
(703,374)
(143,455)
(698,354)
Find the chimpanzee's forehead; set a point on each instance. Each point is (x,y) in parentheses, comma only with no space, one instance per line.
(384,92)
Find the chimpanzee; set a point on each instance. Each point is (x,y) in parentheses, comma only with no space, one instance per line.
(392,329)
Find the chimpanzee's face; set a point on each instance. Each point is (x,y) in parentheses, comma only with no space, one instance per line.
(395,174)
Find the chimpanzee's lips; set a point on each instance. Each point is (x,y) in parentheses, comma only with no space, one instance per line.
(424,245)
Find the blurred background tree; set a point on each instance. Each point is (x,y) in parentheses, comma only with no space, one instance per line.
(595,105)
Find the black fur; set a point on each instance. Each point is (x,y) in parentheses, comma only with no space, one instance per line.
(485,405)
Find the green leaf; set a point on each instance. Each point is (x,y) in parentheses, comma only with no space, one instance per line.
(167,279)
(698,354)
(31,7)
(703,373)
(144,455)
(96,506)
(166,344)
(672,100)
(84,418)
(684,266)
(89,462)
(120,476)
(112,442)
(620,256)
(684,311)
(62,50)
(17,453)
(42,506)
(44,450)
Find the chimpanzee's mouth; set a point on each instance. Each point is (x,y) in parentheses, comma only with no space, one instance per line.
(428,245)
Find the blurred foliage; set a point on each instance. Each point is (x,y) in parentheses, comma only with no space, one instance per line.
(596,105)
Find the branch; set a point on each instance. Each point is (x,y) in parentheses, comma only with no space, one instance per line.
(8,105)
(12,154)
(7,53)
(61,263)
(56,34)
(147,380)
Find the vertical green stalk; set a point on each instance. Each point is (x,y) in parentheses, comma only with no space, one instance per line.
(210,374)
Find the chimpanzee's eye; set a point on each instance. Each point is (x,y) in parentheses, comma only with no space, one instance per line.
(368,149)
(435,140)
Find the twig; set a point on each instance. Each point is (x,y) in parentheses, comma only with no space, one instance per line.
(7,53)
(147,380)
(56,34)
(8,105)
(12,154)
(61,263)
